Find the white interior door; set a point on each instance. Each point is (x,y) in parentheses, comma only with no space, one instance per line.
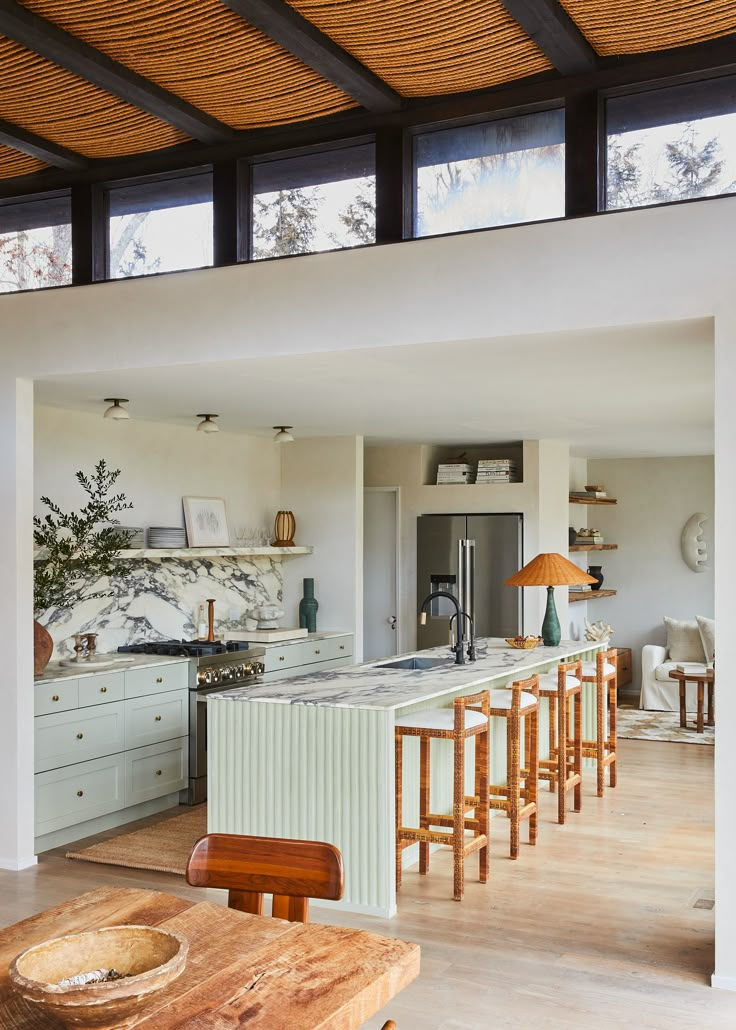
(380,603)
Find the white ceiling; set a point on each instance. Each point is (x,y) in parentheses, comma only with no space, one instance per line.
(628,391)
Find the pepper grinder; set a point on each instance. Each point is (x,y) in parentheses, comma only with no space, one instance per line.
(91,644)
(211,619)
(79,641)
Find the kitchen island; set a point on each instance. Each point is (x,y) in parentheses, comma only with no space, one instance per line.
(313,757)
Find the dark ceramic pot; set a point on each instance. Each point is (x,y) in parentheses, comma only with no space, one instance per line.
(596,571)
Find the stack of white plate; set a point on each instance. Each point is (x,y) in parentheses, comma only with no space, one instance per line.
(167,536)
(133,535)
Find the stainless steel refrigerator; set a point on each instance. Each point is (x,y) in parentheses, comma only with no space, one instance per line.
(470,556)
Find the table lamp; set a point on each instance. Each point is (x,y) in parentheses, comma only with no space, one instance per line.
(549,570)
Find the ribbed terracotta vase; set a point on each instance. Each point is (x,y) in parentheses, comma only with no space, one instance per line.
(284,529)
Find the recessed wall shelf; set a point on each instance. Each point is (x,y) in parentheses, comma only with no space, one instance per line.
(193,553)
(593,547)
(589,595)
(593,500)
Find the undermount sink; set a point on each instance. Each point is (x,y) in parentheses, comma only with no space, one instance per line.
(415,663)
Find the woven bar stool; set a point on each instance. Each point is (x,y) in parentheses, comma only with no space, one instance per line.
(467,718)
(603,672)
(564,767)
(518,797)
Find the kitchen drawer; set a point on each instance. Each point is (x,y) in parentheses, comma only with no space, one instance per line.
(149,720)
(65,738)
(60,696)
(284,657)
(152,772)
(157,678)
(326,650)
(83,791)
(101,689)
(305,670)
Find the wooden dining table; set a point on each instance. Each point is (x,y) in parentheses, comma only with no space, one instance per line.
(242,970)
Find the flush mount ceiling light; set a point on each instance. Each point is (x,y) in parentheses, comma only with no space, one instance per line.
(283,435)
(116,409)
(207,425)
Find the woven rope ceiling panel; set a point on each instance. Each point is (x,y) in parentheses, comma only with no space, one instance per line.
(428,47)
(635,26)
(203,52)
(12,163)
(42,98)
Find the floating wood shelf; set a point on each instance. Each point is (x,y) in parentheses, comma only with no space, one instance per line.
(593,500)
(590,595)
(593,547)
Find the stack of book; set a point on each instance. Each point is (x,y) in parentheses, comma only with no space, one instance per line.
(581,588)
(455,472)
(588,536)
(497,470)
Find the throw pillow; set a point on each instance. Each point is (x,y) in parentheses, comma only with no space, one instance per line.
(707,628)
(683,641)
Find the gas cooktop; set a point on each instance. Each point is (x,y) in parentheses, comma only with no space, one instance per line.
(186,648)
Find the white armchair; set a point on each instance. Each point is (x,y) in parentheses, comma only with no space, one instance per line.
(658,692)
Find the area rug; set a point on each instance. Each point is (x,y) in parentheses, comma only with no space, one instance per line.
(163,847)
(634,724)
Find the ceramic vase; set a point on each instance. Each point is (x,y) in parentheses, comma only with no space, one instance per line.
(308,608)
(596,571)
(43,648)
(284,529)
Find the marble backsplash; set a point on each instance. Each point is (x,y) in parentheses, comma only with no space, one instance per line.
(160,597)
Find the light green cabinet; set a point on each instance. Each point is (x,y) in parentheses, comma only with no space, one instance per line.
(149,720)
(79,792)
(64,738)
(155,770)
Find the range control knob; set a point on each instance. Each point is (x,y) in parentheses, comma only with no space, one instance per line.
(240,672)
(216,676)
(201,678)
(258,668)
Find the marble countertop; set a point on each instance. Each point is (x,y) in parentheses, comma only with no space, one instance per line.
(310,638)
(369,686)
(56,671)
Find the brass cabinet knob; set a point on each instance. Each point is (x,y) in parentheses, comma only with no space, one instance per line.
(55,697)
(79,736)
(158,718)
(80,793)
(316,650)
(159,679)
(103,690)
(342,647)
(158,772)
(282,658)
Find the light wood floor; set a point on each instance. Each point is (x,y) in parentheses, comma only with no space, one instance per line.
(596,928)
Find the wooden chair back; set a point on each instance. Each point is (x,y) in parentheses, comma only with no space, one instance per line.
(249,867)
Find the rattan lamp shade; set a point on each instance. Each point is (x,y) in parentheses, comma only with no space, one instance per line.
(549,570)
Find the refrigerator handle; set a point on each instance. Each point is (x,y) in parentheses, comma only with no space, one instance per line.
(466,575)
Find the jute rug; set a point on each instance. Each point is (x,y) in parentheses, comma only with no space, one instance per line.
(163,847)
(634,724)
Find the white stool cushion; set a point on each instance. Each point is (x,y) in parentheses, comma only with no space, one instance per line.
(440,719)
(549,681)
(589,670)
(502,698)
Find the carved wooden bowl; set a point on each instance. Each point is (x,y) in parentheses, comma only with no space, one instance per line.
(524,643)
(148,957)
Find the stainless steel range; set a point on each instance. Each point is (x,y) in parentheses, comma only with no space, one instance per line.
(212,667)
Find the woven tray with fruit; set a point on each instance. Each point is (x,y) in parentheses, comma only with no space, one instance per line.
(525,643)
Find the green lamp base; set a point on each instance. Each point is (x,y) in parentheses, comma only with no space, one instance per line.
(551,625)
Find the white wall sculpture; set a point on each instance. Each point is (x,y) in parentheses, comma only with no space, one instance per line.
(694,552)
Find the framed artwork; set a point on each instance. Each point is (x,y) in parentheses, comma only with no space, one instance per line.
(206,521)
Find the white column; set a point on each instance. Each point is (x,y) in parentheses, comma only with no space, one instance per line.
(16,619)
(725,607)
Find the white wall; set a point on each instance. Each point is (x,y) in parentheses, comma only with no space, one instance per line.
(160,464)
(652,265)
(656,497)
(322,484)
(541,498)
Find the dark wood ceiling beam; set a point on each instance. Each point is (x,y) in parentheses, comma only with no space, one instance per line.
(48,40)
(283,24)
(555,33)
(36,146)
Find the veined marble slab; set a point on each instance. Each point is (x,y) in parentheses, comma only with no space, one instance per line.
(369,686)
(54,671)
